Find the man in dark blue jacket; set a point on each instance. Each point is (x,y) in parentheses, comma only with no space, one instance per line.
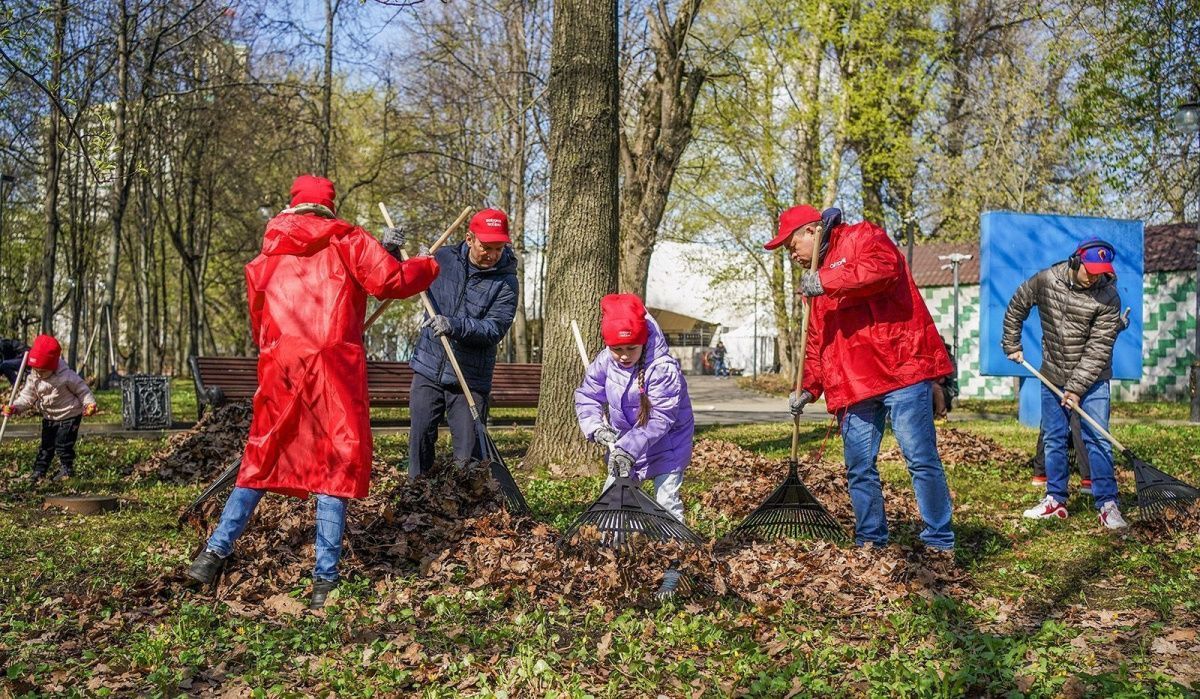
(11,354)
(476,298)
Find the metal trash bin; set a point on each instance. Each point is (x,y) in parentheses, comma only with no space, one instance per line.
(146,402)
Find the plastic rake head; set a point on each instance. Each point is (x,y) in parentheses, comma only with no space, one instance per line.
(790,511)
(503,477)
(623,512)
(1156,491)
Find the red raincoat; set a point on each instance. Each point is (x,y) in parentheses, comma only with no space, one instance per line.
(870,333)
(308,289)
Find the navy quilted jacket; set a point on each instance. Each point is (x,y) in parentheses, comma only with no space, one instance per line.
(480,304)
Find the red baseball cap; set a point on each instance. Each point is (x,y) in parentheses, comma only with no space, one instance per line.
(490,226)
(790,220)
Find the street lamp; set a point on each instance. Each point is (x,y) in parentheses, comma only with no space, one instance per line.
(953,262)
(1187,119)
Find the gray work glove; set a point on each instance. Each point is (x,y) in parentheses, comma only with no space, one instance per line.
(440,325)
(1125,317)
(605,435)
(796,403)
(620,463)
(810,284)
(393,240)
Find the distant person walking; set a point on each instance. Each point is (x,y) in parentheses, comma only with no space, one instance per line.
(718,355)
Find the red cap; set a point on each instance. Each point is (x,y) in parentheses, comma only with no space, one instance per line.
(310,189)
(490,226)
(45,353)
(623,320)
(790,220)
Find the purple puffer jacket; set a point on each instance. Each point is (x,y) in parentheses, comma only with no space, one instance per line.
(664,444)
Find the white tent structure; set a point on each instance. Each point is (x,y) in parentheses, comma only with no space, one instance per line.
(751,343)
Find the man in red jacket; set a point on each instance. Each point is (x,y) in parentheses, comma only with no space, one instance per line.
(311,432)
(874,351)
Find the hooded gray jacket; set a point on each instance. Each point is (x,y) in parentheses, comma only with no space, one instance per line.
(1079,326)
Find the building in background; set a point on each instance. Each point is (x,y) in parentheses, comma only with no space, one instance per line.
(1170,297)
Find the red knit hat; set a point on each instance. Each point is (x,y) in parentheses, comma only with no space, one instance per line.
(45,353)
(623,320)
(490,226)
(310,189)
(790,220)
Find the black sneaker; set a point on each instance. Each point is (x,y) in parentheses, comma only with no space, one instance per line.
(321,590)
(36,476)
(64,475)
(206,568)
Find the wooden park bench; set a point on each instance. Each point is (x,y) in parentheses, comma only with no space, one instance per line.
(222,379)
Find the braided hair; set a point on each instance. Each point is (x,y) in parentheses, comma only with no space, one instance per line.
(643,415)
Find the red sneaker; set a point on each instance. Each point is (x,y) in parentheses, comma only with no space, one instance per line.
(1046,509)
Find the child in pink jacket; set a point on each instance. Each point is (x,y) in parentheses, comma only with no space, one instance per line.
(62,398)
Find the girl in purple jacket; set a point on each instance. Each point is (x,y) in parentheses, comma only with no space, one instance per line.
(641,387)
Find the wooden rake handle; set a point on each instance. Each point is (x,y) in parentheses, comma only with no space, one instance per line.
(13,394)
(462,380)
(805,312)
(1075,406)
(432,249)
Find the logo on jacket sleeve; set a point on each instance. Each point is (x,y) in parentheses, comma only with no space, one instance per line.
(837,264)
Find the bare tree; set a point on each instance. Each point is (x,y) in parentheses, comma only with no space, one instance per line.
(655,137)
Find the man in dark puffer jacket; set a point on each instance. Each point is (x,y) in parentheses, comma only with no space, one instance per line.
(1080,312)
(476,298)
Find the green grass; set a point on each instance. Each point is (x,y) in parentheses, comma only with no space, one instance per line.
(1052,577)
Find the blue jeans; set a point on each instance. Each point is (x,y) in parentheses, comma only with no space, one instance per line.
(911,410)
(1056,428)
(719,367)
(331,522)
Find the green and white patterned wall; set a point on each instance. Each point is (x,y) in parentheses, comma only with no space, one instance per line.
(1167,318)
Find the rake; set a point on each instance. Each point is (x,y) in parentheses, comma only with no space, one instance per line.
(791,511)
(623,511)
(500,473)
(12,396)
(229,475)
(1156,490)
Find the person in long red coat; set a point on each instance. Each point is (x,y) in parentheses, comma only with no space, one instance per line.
(874,352)
(311,433)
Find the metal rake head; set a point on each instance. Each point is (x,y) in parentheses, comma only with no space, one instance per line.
(789,522)
(623,512)
(790,511)
(1156,491)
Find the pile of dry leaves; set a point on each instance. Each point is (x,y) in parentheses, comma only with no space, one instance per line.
(1172,520)
(199,454)
(961,447)
(452,530)
(745,479)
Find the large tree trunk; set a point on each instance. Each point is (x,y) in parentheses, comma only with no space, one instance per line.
(650,153)
(582,262)
(53,169)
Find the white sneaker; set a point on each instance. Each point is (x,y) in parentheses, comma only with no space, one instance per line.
(1046,509)
(1110,516)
